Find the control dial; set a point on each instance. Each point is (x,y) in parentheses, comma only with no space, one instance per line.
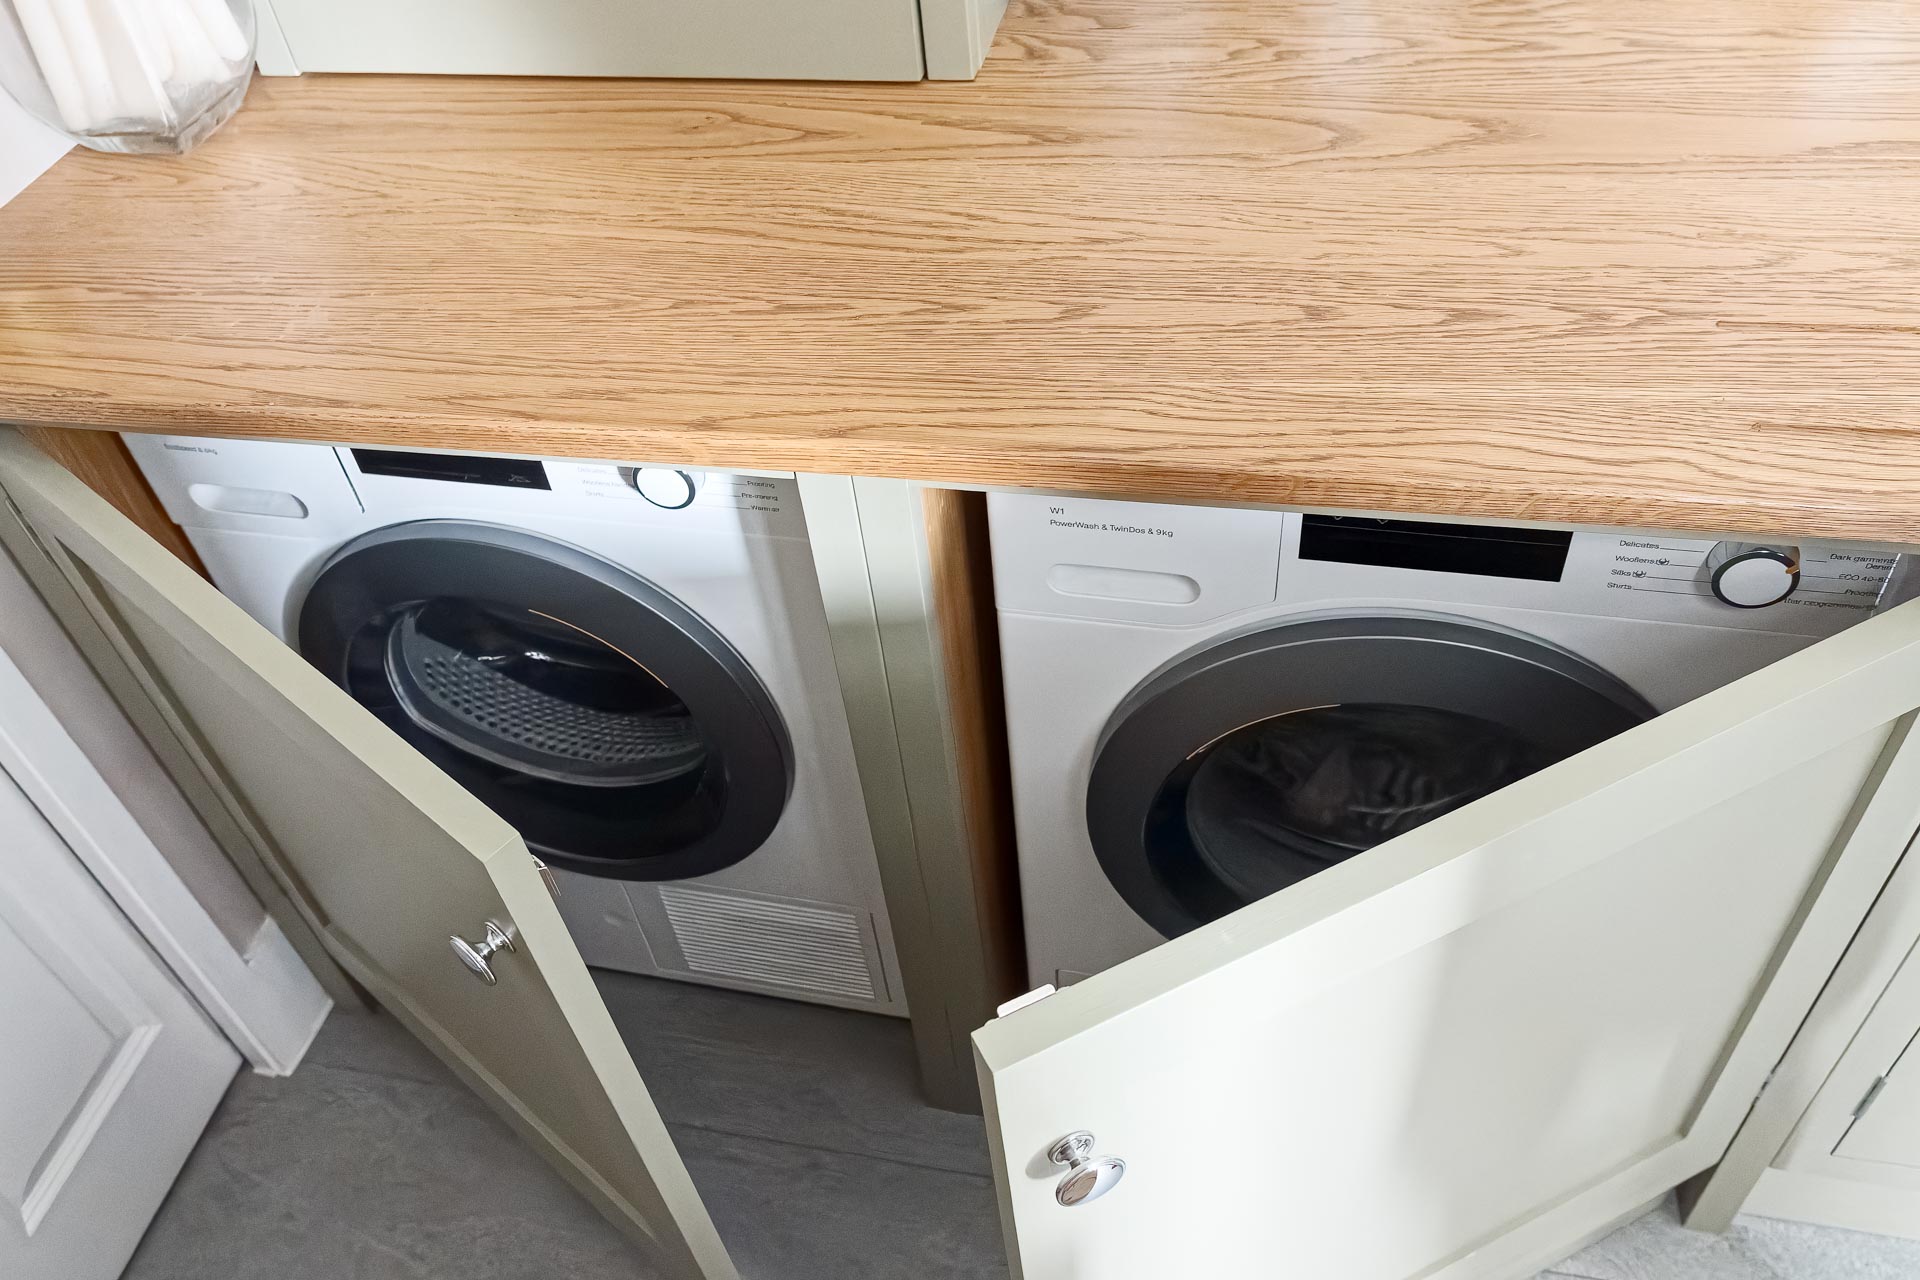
(663,487)
(1753,575)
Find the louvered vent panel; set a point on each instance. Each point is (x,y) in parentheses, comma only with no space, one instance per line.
(805,946)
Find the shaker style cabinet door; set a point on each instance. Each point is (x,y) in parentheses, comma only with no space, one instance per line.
(419,891)
(1853,1158)
(1476,1047)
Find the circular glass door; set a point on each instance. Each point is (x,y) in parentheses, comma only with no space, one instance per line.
(608,723)
(1270,756)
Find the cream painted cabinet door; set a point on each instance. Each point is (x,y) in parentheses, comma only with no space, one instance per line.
(1886,1125)
(387,857)
(1470,1050)
(1863,1127)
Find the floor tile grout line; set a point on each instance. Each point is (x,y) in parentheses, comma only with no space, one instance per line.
(240,1162)
(452,1086)
(717,1131)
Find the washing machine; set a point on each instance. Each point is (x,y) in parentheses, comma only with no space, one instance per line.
(1207,705)
(629,664)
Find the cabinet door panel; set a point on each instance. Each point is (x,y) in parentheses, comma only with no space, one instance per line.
(1888,1132)
(1468,1050)
(386,857)
(1864,1124)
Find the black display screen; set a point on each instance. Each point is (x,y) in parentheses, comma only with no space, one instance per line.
(1491,551)
(514,473)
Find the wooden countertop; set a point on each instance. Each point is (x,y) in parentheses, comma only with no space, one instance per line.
(1603,261)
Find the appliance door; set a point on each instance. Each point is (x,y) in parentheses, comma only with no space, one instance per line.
(616,730)
(1467,1051)
(1269,756)
(423,895)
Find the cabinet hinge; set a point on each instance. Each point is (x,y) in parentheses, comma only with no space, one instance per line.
(1034,996)
(548,878)
(1873,1095)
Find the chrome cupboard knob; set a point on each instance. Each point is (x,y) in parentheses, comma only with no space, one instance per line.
(478,955)
(1751,575)
(1088,1177)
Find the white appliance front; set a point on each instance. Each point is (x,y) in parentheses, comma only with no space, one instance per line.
(802,915)
(1097,598)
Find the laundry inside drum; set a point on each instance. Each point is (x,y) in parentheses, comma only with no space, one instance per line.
(1272,803)
(533,694)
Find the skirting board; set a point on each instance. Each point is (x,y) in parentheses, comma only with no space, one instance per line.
(1836,1202)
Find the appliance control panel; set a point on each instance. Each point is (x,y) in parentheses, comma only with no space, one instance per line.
(1806,589)
(1177,565)
(309,490)
(672,497)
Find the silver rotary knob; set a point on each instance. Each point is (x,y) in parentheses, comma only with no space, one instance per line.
(1752,575)
(664,487)
(478,956)
(1088,1177)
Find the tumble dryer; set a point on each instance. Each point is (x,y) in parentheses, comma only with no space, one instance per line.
(629,664)
(1208,705)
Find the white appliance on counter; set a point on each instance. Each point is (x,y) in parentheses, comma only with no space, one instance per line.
(629,664)
(717,39)
(1206,705)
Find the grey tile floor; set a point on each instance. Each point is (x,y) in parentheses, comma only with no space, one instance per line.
(801,1126)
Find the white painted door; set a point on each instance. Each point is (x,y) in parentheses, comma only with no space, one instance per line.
(1466,1052)
(108,1072)
(394,866)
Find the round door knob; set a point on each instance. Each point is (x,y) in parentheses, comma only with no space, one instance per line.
(1088,1177)
(477,956)
(1752,575)
(664,488)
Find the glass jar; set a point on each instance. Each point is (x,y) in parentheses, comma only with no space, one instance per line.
(128,75)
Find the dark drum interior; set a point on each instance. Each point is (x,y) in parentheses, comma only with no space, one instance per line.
(591,710)
(1270,756)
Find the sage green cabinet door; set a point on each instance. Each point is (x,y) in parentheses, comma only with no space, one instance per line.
(1887,1131)
(387,857)
(711,39)
(1468,1051)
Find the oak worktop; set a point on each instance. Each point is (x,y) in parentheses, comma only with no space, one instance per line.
(1602,261)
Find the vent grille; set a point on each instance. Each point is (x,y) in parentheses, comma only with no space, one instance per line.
(771,942)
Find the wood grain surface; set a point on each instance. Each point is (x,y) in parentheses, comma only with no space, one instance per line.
(960,583)
(1603,261)
(107,467)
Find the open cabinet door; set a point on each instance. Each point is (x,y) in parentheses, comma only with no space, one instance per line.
(388,858)
(1471,1050)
